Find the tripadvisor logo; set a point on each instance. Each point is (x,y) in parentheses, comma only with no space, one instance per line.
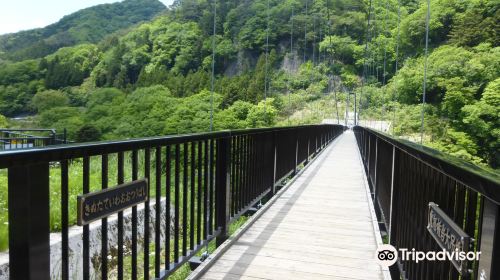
(387,255)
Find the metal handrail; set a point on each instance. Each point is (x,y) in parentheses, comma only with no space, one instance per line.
(473,176)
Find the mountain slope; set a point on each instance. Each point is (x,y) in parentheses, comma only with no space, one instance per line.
(85,26)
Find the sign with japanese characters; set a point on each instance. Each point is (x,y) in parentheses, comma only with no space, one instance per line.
(97,205)
(449,236)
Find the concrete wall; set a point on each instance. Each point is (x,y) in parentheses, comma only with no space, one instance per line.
(76,243)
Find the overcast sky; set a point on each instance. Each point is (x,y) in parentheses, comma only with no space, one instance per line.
(16,15)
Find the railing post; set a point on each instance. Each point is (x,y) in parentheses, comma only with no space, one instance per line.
(296,153)
(489,262)
(368,155)
(223,187)
(275,142)
(375,173)
(29,244)
(308,144)
(53,138)
(391,209)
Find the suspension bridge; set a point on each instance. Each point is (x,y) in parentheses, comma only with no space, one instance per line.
(321,199)
(331,196)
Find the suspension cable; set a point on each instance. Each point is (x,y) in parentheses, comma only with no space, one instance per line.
(427,19)
(331,60)
(212,82)
(320,37)
(305,33)
(365,64)
(385,62)
(396,66)
(267,60)
(385,45)
(375,44)
(314,39)
(212,85)
(293,63)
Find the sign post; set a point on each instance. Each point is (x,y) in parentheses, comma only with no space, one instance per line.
(97,205)
(449,236)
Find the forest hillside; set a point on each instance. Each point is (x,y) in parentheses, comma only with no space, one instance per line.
(155,78)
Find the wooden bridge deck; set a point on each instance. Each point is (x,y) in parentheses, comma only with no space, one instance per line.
(322,226)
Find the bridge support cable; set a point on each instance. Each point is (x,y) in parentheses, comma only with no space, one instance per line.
(212,88)
(320,36)
(314,40)
(305,33)
(384,74)
(331,60)
(266,79)
(427,19)
(365,64)
(375,46)
(212,82)
(292,57)
(396,66)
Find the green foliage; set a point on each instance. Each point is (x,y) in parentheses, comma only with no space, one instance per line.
(154,78)
(88,133)
(3,122)
(49,99)
(85,26)
(61,118)
(69,66)
(340,47)
(479,23)
(20,72)
(482,121)
(413,26)
(458,144)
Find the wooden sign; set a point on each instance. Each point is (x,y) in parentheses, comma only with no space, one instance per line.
(448,235)
(97,205)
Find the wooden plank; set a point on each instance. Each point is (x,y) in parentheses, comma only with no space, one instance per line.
(321,227)
(289,268)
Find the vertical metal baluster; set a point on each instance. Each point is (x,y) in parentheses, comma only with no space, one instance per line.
(104,221)
(237,181)
(249,171)
(233,171)
(176,207)
(86,255)
(211,187)
(192,196)
(168,179)
(207,193)
(200,193)
(254,168)
(147,174)
(157,211)
(134,218)
(120,180)
(242,173)
(64,220)
(184,199)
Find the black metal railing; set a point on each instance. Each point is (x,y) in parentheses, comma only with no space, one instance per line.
(404,178)
(205,180)
(14,139)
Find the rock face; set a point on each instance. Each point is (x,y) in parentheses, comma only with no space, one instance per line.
(76,243)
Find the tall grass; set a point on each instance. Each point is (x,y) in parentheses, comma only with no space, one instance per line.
(75,188)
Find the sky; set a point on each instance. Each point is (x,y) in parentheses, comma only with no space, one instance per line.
(17,15)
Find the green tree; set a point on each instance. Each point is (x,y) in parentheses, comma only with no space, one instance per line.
(49,99)
(3,122)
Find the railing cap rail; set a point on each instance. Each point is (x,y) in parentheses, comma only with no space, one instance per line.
(71,151)
(474,177)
